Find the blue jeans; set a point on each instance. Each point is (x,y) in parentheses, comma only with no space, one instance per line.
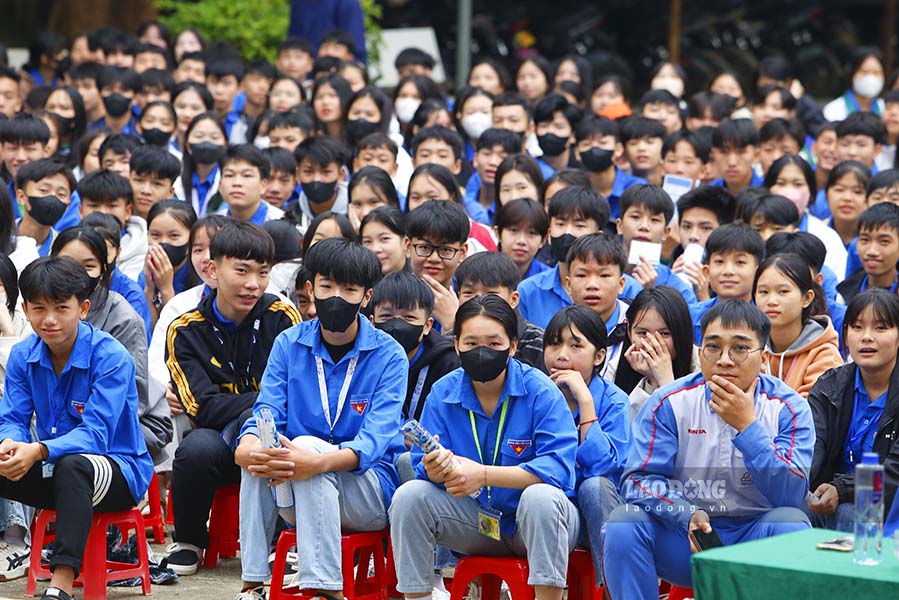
(638,548)
(842,519)
(13,514)
(597,498)
(324,506)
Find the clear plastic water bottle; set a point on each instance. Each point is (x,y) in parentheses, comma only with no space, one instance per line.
(868,510)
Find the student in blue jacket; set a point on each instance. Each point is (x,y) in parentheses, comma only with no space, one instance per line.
(78,382)
(575,350)
(511,442)
(727,450)
(340,429)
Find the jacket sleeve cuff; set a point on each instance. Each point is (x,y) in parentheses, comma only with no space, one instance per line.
(753,440)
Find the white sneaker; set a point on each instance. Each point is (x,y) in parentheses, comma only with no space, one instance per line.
(13,561)
(184,559)
(250,595)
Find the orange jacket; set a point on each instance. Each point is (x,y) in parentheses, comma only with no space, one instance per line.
(815,351)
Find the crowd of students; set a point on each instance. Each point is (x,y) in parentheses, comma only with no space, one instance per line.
(627,321)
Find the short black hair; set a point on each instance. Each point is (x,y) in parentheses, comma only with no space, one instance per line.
(787,100)
(342,37)
(736,313)
(262,68)
(735,237)
(776,129)
(346,229)
(508,140)
(489,269)
(286,237)
(776,67)
(569,177)
(7,73)
(291,119)
(585,319)
(295,43)
(600,247)
(322,150)
(156,162)
(593,127)
(247,153)
(281,160)
(448,136)
(126,78)
(118,143)
(883,303)
(577,202)
(514,99)
(882,179)
(157,78)
(698,142)
(715,199)
(403,291)
(440,221)
(105,187)
(490,306)
(882,214)
(106,225)
(719,105)
(801,243)
(659,97)
(522,211)
(637,128)
(735,133)
(772,208)
(42,168)
(24,128)
(344,262)
(224,67)
(414,56)
(242,241)
(863,123)
(651,197)
(89,70)
(377,139)
(54,278)
(553,103)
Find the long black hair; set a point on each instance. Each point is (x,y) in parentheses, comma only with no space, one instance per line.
(794,268)
(97,245)
(587,321)
(10,280)
(189,164)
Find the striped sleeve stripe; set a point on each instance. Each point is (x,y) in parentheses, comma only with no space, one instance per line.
(102,476)
(178,377)
(789,457)
(292,313)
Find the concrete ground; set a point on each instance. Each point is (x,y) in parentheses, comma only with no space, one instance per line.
(223,583)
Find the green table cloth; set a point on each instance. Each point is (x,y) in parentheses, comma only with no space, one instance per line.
(789,566)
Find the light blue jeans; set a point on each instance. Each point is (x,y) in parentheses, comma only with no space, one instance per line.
(597,498)
(324,506)
(14,513)
(423,515)
(842,519)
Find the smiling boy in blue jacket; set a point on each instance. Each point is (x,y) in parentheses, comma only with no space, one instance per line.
(79,384)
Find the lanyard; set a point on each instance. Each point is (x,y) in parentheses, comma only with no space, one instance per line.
(416,393)
(341,398)
(499,437)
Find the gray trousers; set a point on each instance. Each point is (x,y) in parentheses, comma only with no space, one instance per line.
(423,515)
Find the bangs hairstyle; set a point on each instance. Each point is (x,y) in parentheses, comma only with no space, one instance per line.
(638,128)
(403,291)
(800,243)
(886,179)
(242,241)
(716,200)
(858,170)
(343,261)
(179,210)
(772,208)
(104,187)
(675,312)
(593,127)
(442,134)
(47,167)
(155,162)
(280,160)
(509,141)
(735,134)
(524,164)
(24,128)
(733,313)
(488,269)
(776,129)
(882,214)
(865,124)
(883,303)
(200,90)
(735,237)
(787,100)
(439,221)
(522,212)
(377,140)
(796,269)
(700,148)
(792,159)
(462,99)
(580,203)
(381,100)
(589,324)
(54,278)
(716,106)
(600,247)
(120,144)
(501,72)
(321,150)
(389,216)
(106,225)
(650,197)
(552,103)
(343,225)
(247,153)
(492,307)
(378,180)
(82,146)
(97,246)
(210,224)
(441,175)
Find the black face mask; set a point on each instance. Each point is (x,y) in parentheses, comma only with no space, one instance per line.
(559,246)
(46,210)
(551,144)
(336,314)
(116,104)
(596,160)
(483,363)
(319,191)
(176,254)
(407,334)
(94,282)
(359,128)
(66,124)
(207,153)
(156,136)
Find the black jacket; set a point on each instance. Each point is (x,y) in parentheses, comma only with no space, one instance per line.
(439,356)
(849,287)
(216,371)
(832,401)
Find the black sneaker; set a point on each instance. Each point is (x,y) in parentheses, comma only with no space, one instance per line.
(184,559)
(53,593)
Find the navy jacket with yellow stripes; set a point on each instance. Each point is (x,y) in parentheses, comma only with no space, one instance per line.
(216,366)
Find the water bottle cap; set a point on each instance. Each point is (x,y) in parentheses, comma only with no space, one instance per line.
(870,458)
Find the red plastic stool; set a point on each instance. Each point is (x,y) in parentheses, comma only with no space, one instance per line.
(492,571)
(169,515)
(581,578)
(96,571)
(154,517)
(358,586)
(224,526)
(680,593)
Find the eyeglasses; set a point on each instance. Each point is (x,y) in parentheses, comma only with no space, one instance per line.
(738,353)
(444,252)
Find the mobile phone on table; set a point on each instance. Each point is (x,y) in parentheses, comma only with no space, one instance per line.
(705,541)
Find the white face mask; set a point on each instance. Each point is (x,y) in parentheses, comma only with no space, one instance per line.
(672,84)
(283,275)
(261,142)
(405,108)
(868,86)
(477,123)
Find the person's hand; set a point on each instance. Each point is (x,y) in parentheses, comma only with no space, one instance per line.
(828,500)
(265,463)
(446,303)
(20,457)
(733,405)
(698,278)
(174,404)
(645,274)
(303,463)
(699,521)
(466,478)
(572,385)
(438,463)
(162,271)
(6,447)
(637,360)
(243,453)
(7,329)
(655,358)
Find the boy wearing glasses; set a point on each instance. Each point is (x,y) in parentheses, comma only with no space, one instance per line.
(717,457)
(438,241)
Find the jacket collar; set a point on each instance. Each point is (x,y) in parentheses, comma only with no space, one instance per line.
(366,339)
(80,356)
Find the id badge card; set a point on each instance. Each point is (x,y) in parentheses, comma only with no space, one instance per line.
(488,523)
(47,470)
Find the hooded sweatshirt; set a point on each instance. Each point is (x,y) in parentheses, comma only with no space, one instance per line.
(134,247)
(811,354)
